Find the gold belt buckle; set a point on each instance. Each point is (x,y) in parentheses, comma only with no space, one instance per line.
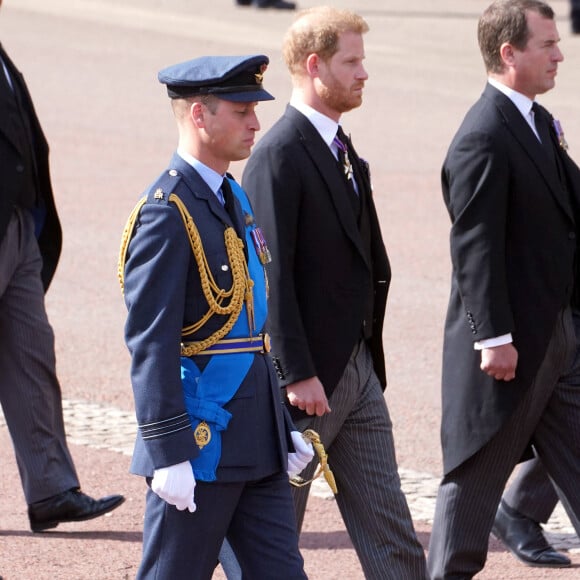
(266,340)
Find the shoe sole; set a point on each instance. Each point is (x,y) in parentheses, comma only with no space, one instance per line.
(43,526)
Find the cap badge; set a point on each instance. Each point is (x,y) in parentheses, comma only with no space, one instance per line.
(260,76)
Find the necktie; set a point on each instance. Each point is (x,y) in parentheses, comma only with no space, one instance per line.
(543,130)
(346,168)
(230,207)
(548,144)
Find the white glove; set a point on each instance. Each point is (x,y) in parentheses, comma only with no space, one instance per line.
(175,485)
(304,453)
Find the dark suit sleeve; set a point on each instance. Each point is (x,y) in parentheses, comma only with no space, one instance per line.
(476,186)
(274,184)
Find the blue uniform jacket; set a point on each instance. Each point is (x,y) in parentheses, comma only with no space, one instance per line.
(163,294)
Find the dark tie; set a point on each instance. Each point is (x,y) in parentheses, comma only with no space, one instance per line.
(346,168)
(231,208)
(543,130)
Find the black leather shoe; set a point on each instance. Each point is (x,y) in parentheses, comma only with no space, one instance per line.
(278,4)
(524,539)
(69,506)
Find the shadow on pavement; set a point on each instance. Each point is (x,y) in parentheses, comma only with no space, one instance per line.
(105,535)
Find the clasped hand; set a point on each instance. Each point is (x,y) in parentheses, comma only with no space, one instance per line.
(309,396)
(500,362)
(175,485)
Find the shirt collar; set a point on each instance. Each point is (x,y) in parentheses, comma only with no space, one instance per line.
(212,178)
(325,126)
(522,103)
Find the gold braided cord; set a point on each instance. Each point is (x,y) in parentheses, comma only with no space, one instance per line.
(240,291)
(126,236)
(323,469)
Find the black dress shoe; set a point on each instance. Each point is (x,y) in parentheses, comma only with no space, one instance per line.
(524,539)
(69,506)
(278,4)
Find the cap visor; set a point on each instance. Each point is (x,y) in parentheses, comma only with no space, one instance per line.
(246,96)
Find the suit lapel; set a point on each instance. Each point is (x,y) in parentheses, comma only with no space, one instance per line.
(323,160)
(8,103)
(524,135)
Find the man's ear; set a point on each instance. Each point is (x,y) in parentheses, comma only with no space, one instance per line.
(196,112)
(312,65)
(507,54)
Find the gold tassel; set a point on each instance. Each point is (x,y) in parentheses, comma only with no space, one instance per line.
(314,438)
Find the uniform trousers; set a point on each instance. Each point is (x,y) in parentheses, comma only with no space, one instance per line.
(549,417)
(29,389)
(358,437)
(257,518)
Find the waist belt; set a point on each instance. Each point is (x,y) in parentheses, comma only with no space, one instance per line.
(260,343)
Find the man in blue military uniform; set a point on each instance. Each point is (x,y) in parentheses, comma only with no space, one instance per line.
(213,439)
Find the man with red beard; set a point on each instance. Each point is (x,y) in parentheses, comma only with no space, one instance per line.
(329,278)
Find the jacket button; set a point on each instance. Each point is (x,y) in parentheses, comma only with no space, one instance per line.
(20,168)
(572,235)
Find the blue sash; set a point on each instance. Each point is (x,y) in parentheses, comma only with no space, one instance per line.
(207,392)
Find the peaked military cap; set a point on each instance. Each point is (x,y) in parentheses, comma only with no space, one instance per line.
(232,78)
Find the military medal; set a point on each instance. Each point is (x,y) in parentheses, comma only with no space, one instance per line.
(261,246)
(560,133)
(346,165)
(202,434)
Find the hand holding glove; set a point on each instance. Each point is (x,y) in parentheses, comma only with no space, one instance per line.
(175,485)
(304,453)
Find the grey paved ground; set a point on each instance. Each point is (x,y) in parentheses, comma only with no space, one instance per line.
(102,427)
(91,66)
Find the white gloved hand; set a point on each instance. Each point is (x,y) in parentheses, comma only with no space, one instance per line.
(175,485)
(303,455)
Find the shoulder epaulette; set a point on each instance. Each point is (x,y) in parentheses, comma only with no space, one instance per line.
(164,186)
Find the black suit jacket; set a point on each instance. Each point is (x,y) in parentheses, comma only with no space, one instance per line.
(14,168)
(322,270)
(513,245)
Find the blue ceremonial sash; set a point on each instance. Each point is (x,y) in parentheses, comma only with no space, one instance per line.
(207,392)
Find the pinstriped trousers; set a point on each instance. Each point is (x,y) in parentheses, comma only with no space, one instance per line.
(29,390)
(531,492)
(358,437)
(548,416)
(534,494)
